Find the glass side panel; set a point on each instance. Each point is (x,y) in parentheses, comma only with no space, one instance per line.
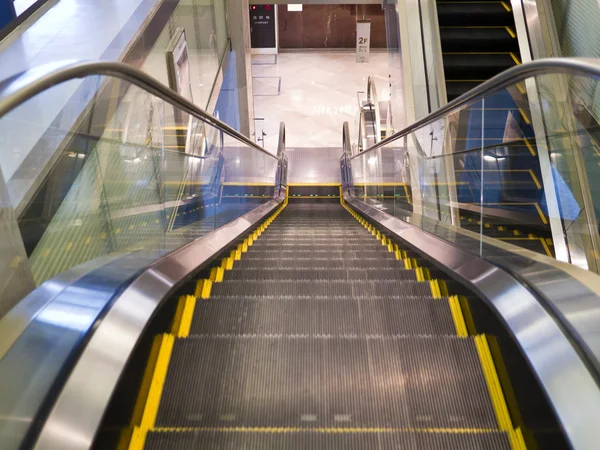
(516,169)
(135,174)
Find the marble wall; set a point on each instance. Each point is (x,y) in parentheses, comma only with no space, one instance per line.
(329,26)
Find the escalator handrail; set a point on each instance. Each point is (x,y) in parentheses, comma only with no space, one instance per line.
(574,66)
(19,88)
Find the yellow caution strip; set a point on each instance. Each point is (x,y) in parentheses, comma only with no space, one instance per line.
(165,343)
(496,393)
(457,316)
(509,393)
(203,288)
(183,318)
(423,274)
(138,439)
(340,430)
(468,317)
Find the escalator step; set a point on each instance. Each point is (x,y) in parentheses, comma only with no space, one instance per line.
(469,66)
(309,273)
(416,382)
(478,39)
(309,288)
(315,262)
(276,239)
(469,13)
(297,440)
(370,245)
(318,252)
(336,317)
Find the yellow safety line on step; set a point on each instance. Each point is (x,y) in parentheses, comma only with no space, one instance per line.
(178,315)
(137,440)
(185,323)
(509,393)
(158,381)
(435,289)
(140,404)
(466,310)
(508,8)
(457,316)
(511,32)
(493,383)
(521,89)
(423,274)
(340,430)
(515,59)
(203,288)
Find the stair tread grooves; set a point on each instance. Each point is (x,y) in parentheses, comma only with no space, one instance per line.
(342,288)
(302,316)
(224,381)
(230,440)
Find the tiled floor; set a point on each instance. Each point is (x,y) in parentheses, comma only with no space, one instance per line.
(313,93)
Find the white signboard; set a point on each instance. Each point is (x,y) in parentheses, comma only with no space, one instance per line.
(363,40)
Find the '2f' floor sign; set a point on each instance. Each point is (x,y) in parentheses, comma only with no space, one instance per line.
(363,40)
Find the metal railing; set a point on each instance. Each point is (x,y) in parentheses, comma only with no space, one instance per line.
(572,66)
(22,87)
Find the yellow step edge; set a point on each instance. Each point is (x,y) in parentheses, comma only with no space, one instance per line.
(435,289)
(517,441)
(341,430)
(178,315)
(140,403)
(443,288)
(422,274)
(457,316)
(505,383)
(493,383)
(438,288)
(203,288)
(182,328)
(219,274)
(466,310)
(138,439)
(158,381)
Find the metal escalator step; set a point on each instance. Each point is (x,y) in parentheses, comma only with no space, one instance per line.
(336,317)
(379,253)
(297,440)
(309,273)
(323,262)
(371,245)
(256,381)
(311,288)
(276,240)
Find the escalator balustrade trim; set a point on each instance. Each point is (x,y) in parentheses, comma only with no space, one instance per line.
(149,398)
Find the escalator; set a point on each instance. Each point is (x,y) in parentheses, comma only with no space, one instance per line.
(293,315)
(317,331)
(478,41)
